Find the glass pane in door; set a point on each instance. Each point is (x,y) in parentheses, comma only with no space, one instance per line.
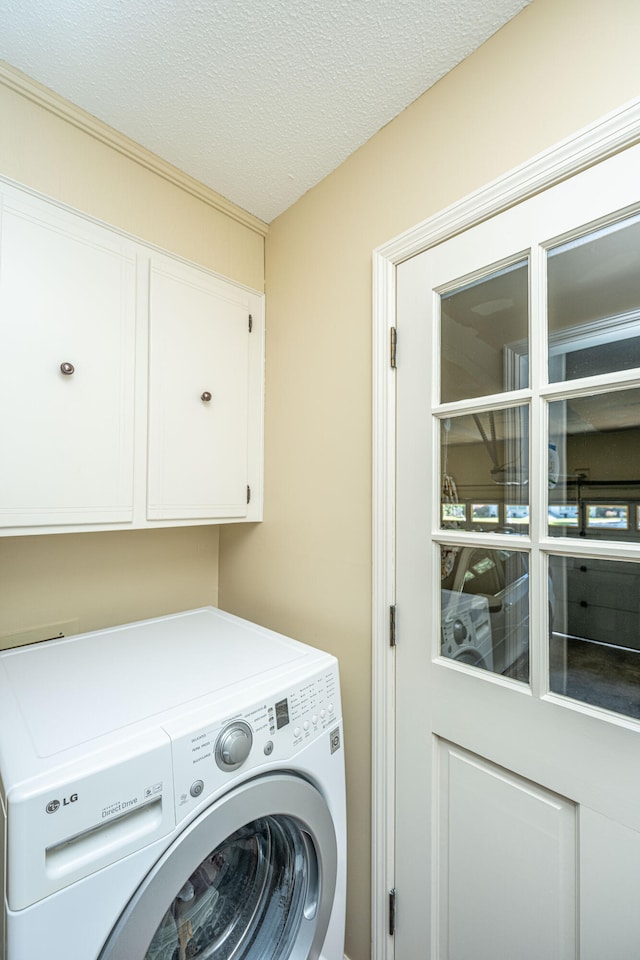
(595,632)
(594,302)
(484,608)
(484,327)
(594,466)
(484,467)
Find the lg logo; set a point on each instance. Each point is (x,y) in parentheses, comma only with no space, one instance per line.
(54,805)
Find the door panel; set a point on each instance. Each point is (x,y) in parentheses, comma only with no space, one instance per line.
(491,870)
(609,878)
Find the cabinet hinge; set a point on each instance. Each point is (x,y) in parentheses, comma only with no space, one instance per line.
(392,912)
(248,494)
(392,625)
(393,344)
(250,323)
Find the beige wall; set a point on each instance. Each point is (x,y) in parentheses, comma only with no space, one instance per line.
(107,578)
(95,580)
(307,569)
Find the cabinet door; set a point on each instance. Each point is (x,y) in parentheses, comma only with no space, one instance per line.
(198,395)
(67,303)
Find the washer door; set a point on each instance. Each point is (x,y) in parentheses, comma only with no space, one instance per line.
(253,878)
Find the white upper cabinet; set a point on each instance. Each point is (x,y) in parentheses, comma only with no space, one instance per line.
(199,337)
(131,392)
(67,324)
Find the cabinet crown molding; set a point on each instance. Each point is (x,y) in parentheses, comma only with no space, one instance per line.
(24,85)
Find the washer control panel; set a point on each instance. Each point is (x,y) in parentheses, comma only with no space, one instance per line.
(206,756)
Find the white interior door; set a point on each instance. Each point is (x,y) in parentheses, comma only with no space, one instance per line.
(518,581)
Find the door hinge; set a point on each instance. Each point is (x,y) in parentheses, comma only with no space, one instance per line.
(250,323)
(393,344)
(392,625)
(392,912)
(248,494)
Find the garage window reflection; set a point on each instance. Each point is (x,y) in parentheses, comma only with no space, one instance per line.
(484,609)
(596,482)
(484,471)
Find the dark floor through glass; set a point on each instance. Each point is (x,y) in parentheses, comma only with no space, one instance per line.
(600,674)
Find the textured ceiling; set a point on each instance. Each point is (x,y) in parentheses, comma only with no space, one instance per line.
(258,99)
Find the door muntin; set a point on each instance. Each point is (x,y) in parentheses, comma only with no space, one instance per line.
(578,413)
(253,878)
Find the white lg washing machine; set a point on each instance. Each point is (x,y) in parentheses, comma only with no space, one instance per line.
(172,790)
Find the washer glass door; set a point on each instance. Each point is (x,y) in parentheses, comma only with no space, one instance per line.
(252,878)
(245,899)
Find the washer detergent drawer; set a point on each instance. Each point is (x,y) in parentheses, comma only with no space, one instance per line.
(66,828)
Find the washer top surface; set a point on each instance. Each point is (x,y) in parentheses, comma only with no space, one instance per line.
(72,690)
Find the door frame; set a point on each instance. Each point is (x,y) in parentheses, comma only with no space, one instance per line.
(612,133)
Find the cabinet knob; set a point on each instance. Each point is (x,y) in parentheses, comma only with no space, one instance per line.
(67,369)
(206,396)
